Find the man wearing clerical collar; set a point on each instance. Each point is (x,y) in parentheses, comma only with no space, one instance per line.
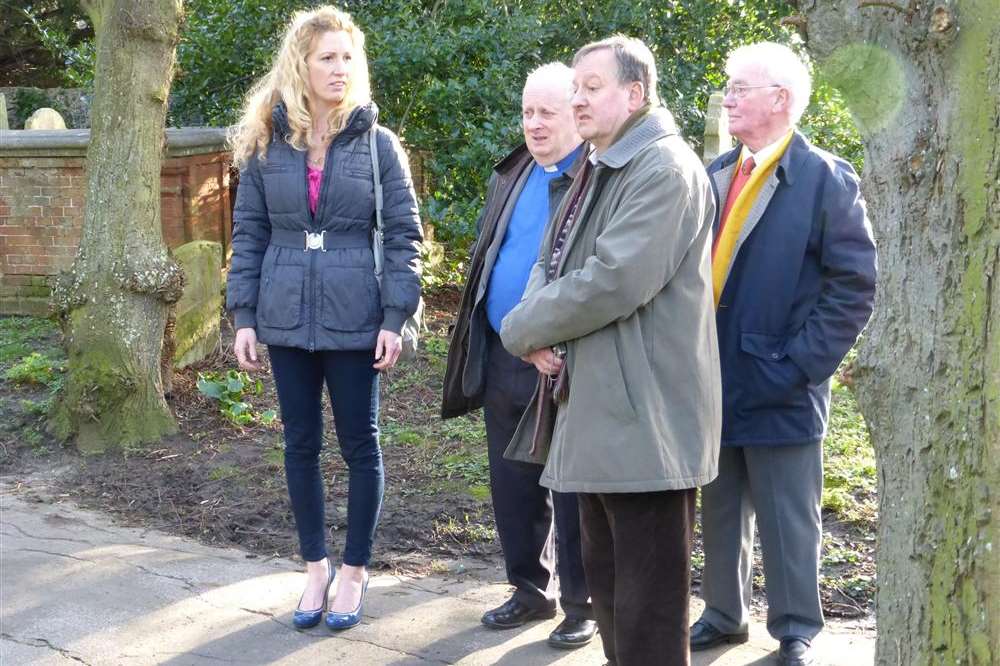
(524,190)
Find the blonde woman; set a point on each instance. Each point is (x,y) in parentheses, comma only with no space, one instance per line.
(303,281)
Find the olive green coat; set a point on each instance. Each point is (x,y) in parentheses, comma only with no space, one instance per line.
(632,302)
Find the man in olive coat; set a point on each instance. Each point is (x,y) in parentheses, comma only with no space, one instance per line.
(624,284)
(524,190)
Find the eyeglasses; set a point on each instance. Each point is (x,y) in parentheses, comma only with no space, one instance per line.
(741,89)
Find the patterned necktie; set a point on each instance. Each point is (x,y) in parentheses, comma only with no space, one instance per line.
(741,178)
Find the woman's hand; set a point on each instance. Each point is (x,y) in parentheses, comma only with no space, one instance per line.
(245,348)
(387,349)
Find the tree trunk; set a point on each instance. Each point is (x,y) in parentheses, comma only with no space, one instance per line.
(923,82)
(115,299)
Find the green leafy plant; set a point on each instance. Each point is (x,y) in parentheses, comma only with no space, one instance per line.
(473,468)
(37,407)
(849,476)
(837,555)
(230,389)
(36,368)
(70,40)
(45,44)
(828,124)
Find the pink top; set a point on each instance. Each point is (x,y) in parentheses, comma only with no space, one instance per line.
(315,181)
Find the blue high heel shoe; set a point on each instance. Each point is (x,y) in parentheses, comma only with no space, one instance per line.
(338,621)
(302,619)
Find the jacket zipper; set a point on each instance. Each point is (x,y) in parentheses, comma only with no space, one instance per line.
(313,225)
(313,218)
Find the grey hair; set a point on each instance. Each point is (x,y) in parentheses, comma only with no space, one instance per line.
(782,66)
(635,62)
(553,75)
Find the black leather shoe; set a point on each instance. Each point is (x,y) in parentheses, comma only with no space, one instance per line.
(573,632)
(513,613)
(705,636)
(794,651)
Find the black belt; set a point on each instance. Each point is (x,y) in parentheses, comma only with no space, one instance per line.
(323,240)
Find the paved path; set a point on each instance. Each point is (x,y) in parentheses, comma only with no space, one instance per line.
(76,588)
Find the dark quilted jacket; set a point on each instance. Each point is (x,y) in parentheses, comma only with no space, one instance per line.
(324,299)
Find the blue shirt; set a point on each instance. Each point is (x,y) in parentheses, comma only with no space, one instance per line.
(519,250)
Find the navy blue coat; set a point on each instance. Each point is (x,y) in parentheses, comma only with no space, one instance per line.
(324,299)
(800,289)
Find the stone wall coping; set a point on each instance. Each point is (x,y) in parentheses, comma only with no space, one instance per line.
(181,142)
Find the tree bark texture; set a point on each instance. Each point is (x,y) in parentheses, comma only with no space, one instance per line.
(115,299)
(923,82)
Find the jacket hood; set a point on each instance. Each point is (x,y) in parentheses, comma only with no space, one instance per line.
(361,119)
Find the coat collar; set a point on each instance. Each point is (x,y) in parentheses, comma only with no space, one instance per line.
(578,163)
(657,124)
(515,161)
(789,164)
(360,120)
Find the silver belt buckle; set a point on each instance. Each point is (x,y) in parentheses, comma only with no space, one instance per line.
(315,241)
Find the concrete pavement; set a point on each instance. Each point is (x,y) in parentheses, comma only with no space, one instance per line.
(74,587)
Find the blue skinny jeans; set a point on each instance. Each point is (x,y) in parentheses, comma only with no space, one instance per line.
(352,384)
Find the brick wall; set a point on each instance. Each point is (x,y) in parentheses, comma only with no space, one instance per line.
(41,212)
(195,200)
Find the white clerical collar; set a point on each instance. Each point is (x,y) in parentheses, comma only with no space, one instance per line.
(765,153)
(550,168)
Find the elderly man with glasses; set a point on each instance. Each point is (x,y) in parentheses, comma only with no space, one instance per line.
(793,264)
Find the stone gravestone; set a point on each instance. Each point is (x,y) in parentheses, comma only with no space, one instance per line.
(717,138)
(196,328)
(3,112)
(45,119)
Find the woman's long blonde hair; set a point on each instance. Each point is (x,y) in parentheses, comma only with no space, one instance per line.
(288,82)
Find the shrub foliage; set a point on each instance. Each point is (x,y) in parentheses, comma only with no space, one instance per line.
(447,75)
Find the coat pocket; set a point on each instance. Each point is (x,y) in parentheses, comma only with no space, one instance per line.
(775,381)
(280,190)
(350,299)
(279,304)
(597,385)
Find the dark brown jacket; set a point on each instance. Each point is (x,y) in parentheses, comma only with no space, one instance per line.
(464,376)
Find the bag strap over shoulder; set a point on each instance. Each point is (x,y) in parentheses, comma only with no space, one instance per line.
(411,327)
(378,250)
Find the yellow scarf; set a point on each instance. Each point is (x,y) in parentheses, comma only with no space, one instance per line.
(739,213)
